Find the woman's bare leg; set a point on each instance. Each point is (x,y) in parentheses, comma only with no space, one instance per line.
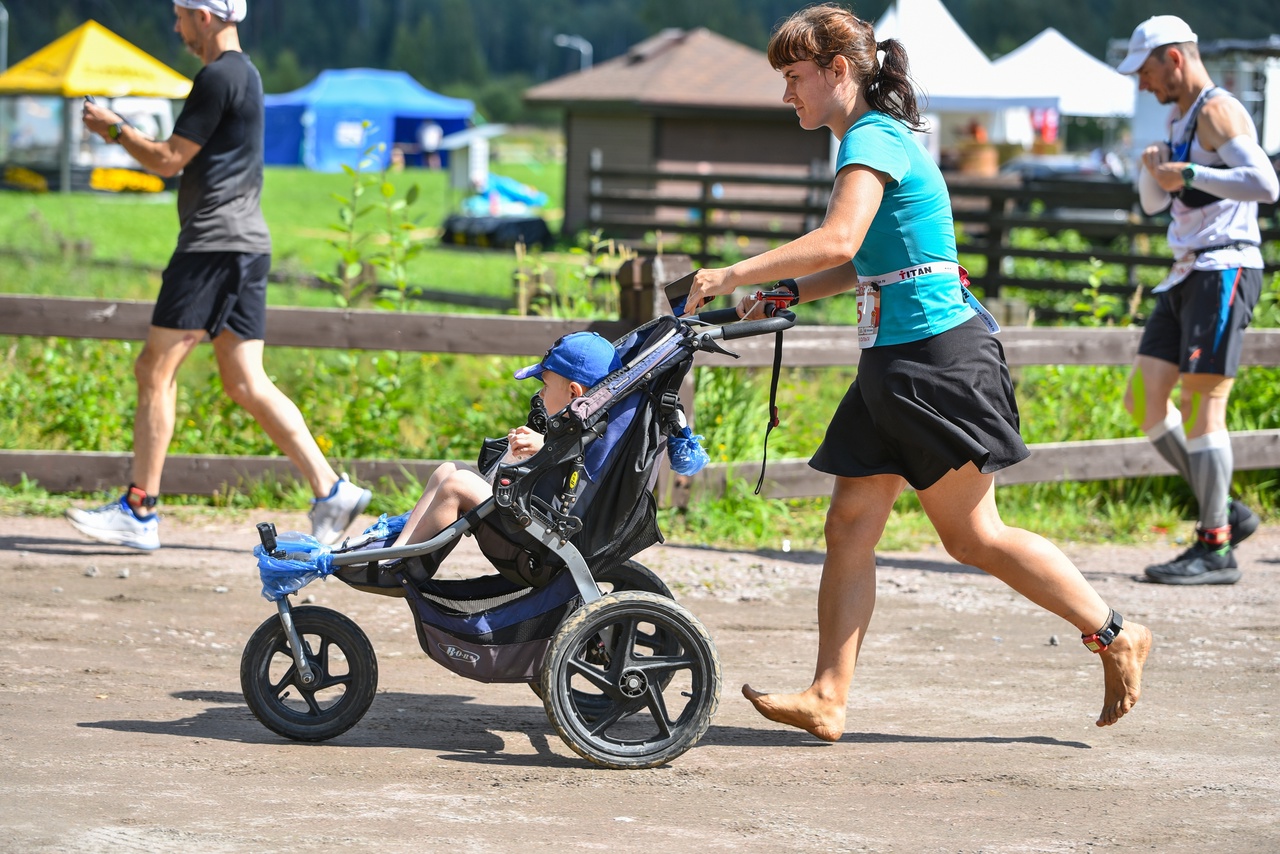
(962,507)
(846,598)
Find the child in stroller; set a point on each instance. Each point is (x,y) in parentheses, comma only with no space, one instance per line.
(574,364)
(628,677)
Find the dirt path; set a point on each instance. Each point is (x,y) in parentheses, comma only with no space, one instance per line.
(122,726)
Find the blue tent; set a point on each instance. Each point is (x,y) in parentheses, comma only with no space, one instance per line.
(321,126)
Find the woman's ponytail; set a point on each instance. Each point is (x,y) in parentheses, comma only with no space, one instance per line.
(891,90)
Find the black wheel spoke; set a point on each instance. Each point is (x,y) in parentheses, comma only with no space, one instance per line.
(612,715)
(657,703)
(593,674)
(310,697)
(624,640)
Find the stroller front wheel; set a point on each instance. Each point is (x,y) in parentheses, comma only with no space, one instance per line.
(617,696)
(342,659)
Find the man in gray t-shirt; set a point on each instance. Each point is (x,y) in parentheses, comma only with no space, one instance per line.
(216,281)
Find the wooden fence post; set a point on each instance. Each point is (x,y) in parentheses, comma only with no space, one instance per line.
(642,297)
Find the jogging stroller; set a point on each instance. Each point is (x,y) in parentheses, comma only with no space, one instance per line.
(628,677)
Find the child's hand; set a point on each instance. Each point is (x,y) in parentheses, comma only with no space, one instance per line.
(523,442)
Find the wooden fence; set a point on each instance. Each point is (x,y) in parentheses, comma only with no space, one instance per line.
(813,346)
(631,202)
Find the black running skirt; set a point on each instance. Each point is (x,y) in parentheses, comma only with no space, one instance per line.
(922,409)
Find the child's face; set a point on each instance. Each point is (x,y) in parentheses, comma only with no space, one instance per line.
(557,392)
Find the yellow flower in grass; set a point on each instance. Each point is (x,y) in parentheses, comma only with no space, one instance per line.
(324,443)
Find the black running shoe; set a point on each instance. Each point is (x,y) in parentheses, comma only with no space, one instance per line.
(1243,522)
(1197,565)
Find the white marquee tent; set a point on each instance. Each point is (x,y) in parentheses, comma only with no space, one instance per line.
(1051,64)
(952,73)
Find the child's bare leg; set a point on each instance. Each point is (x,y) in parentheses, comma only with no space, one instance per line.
(962,508)
(458,493)
(442,472)
(846,598)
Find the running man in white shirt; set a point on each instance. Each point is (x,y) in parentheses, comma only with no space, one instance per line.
(1211,173)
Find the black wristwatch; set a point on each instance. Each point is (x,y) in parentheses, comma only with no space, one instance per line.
(115,130)
(1188,175)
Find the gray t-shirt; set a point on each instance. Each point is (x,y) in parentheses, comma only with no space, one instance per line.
(221,188)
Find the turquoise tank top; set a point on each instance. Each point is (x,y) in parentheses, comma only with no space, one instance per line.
(912,227)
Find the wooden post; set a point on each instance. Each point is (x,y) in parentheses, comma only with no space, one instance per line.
(704,221)
(998,204)
(641,281)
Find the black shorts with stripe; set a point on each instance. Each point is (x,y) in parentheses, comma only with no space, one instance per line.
(1199,324)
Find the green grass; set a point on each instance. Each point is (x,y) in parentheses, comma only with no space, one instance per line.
(300,211)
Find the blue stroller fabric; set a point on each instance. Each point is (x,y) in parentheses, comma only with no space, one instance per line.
(491,629)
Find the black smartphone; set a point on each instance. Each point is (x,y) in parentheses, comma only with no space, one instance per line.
(678,293)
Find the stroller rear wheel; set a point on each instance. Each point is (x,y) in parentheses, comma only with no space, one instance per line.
(649,671)
(628,575)
(342,658)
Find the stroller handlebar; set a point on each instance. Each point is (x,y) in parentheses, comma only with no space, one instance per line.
(728,326)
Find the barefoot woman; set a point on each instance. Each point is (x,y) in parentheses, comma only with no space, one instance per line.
(933,404)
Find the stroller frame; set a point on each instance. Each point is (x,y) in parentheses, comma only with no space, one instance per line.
(616,662)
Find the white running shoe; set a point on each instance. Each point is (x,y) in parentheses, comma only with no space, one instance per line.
(332,515)
(117,524)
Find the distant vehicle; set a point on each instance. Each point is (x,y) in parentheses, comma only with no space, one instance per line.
(1062,176)
(1070,167)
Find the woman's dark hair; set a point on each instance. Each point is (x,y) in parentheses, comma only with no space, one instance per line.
(821,33)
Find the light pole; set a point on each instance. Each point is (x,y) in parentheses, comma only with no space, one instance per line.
(4,37)
(579,44)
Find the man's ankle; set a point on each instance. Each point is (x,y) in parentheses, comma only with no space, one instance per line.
(140,502)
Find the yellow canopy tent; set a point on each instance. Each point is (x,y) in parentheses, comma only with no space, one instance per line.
(90,60)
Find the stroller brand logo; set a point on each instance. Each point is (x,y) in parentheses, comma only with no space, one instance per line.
(458,654)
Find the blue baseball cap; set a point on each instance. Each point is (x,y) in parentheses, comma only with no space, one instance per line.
(581,357)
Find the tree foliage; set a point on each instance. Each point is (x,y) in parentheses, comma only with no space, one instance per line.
(490,50)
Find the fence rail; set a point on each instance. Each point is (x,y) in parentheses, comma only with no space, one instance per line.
(806,346)
(987,211)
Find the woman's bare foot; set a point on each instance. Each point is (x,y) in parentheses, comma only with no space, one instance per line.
(802,711)
(1122,671)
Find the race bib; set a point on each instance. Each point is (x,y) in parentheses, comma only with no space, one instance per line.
(868,297)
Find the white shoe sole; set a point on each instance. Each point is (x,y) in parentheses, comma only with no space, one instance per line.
(114,538)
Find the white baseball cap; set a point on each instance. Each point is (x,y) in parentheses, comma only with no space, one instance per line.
(231,11)
(1151,34)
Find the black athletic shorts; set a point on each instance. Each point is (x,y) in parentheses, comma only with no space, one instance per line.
(1199,324)
(215,291)
(921,409)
